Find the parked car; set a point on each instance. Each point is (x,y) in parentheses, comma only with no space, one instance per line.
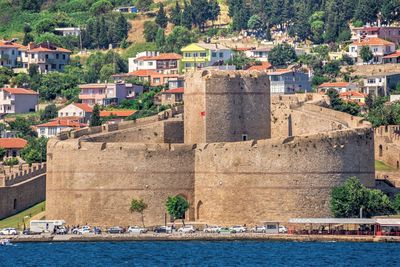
(212,229)
(187,229)
(97,230)
(81,231)
(259,229)
(282,229)
(115,230)
(163,229)
(61,230)
(137,230)
(239,229)
(226,230)
(29,232)
(9,231)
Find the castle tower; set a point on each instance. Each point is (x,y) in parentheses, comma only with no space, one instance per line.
(226,106)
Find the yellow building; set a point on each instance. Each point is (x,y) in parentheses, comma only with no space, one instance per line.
(199,55)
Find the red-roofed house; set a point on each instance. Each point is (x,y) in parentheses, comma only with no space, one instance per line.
(164,63)
(53,127)
(340,87)
(392,58)
(80,110)
(112,116)
(355,97)
(46,56)
(150,76)
(264,66)
(379,48)
(12,146)
(172,96)
(9,54)
(391,33)
(18,100)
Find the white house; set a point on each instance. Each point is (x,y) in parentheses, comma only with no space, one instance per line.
(53,127)
(164,63)
(340,87)
(79,111)
(18,100)
(379,48)
(260,54)
(9,54)
(68,31)
(380,84)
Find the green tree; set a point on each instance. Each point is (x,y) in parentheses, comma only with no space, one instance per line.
(186,18)
(178,38)
(35,151)
(161,18)
(396,203)
(240,60)
(366,54)
(282,54)
(27,34)
(349,198)
(95,119)
(176,207)
(176,13)
(122,28)
(144,5)
(31,5)
(150,29)
(45,25)
(101,7)
(366,11)
(160,39)
(214,10)
(139,206)
(3,152)
(50,112)
(23,127)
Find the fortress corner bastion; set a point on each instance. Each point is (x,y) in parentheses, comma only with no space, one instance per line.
(236,153)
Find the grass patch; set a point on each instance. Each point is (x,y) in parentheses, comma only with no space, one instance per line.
(17,220)
(381,166)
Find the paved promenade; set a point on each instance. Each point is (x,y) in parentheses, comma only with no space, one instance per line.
(198,236)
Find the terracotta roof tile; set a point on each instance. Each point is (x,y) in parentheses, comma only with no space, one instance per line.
(83,106)
(13,143)
(393,55)
(20,91)
(352,94)
(262,67)
(179,90)
(335,84)
(372,41)
(62,122)
(162,56)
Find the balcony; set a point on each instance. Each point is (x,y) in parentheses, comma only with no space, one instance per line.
(92,96)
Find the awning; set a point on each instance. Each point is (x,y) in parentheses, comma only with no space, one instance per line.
(331,221)
(388,222)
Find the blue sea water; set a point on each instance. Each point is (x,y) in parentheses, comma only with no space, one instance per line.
(196,253)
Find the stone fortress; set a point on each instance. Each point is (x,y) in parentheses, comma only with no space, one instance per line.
(236,153)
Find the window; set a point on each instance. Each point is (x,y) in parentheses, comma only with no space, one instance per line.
(187,54)
(64,57)
(150,63)
(195,54)
(371,81)
(203,54)
(188,65)
(140,63)
(375,49)
(61,114)
(214,54)
(52,131)
(42,131)
(32,56)
(46,56)
(13,52)
(57,56)
(53,66)
(15,203)
(221,54)
(244,137)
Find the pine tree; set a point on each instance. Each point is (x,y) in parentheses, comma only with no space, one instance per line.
(95,118)
(366,11)
(103,37)
(200,12)
(176,14)
(122,28)
(214,10)
(160,39)
(186,18)
(27,34)
(161,18)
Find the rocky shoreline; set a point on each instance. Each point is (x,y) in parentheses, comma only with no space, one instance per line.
(198,237)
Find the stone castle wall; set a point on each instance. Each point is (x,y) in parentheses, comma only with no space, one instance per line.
(224,106)
(387,145)
(21,190)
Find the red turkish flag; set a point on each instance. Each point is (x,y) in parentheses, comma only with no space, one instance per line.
(203,113)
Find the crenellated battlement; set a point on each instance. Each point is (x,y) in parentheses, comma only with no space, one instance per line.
(18,176)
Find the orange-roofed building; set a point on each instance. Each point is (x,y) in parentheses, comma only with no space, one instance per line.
(164,63)
(113,116)
(355,97)
(81,111)
(379,48)
(149,76)
(340,87)
(392,58)
(18,100)
(172,96)
(13,146)
(264,66)
(390,33)
(9,54)
(57,125)
(46,56)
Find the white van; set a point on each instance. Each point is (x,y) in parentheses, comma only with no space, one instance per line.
(45,226)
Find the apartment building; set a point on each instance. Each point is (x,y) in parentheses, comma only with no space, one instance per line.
(379,48)
(285,81)
(199,55)
(18,100)
(9,52)
(46,56)
(390,33)
(164,63)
